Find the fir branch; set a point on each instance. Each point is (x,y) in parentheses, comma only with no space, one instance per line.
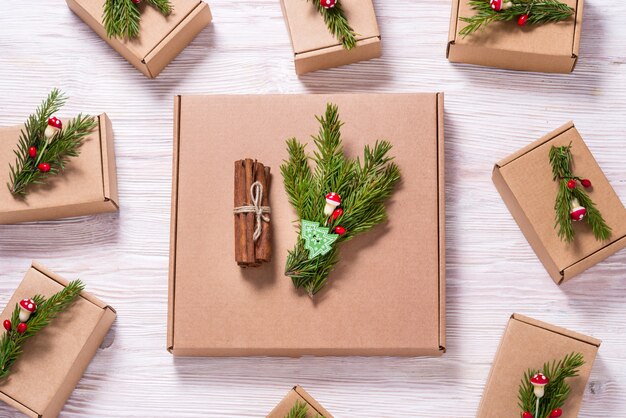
(561,162)
(121,17)
(556,391)
(337,23)
(47,309)
(538,11)
(364,185)
(55,151)
(300,410)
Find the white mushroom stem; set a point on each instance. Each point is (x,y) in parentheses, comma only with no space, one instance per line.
(24,315)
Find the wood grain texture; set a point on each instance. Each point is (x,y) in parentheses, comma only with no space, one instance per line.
(492,271)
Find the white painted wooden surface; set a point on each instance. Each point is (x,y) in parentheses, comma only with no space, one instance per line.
(492,271)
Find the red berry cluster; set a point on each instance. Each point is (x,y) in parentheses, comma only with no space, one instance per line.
(571,183)
(554,414)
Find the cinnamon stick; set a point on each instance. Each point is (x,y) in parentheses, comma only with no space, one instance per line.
(249,217)
(263,247)
(240,224)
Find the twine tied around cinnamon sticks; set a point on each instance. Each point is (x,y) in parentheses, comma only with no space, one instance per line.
(256,193)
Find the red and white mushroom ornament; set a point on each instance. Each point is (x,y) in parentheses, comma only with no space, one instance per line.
(54,126)
(539,382)
(498,5)
(578,212)
(328,4)
(332,201)
(27,307)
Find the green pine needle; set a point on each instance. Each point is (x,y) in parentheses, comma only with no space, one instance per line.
(55,152)
(556,391)
(121,17)
(47,309)
(300,410)
(337,23)
(538,11)
(363,184)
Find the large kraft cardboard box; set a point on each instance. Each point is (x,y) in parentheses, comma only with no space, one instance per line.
(161,38)
(54,360)
(551,48)
(524,180)
(527,344)
(387,294)
(315,48)
(87,186)
(297,394)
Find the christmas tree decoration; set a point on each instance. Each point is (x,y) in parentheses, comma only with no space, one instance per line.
(573,203)
(523,11)
(40,312)
(336,21)
(363,184)
(40,154)
(121,17)
(546,391)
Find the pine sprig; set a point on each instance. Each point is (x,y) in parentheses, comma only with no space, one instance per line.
(556,391)
(364,185)
(47,309)
(55,151)
(538,11)
(561,162)
(337,23)
(121,17)
(300,410)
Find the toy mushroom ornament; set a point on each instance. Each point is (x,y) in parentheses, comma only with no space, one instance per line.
(54,126)
(332,201)
(328,4)
(578,212)
(498,5)
(27,307)
(539,381)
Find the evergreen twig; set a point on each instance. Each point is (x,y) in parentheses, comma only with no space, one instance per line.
(556,391)
(337,23)
(121,17)
(47,309)
(300,410)
(55,151)
(538,11)
(561,163)
(364,186)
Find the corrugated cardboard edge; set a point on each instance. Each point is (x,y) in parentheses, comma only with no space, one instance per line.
(512,203)
(502,58)
(81,362)
(109,167)
(539,324)
(398,351)
(174,42)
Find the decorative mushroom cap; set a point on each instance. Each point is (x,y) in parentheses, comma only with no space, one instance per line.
(28,305)
(539,380)
(333,199)
(578,213)
(496,5)
(55,122)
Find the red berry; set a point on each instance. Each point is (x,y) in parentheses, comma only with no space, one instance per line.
(32,152)
(522,20)
(327,4)
(136,1)
(44,167)
(21,328)
(7,324)
(527,415)
(337,213)
(340,230)
(586,183)
(556,413)
(571,184)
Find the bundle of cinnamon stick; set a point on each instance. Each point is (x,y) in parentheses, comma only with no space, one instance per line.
(248,251)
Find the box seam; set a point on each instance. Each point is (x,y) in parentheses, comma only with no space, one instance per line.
(516,318)
(499,165)
(297,389)
(38,415)
(442,347)
(105,193)
(336,45)
(616,241)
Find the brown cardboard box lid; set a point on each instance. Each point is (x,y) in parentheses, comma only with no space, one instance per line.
(536,199)
(54,360)
(386,296)
(87,186)
(309,32)
(297,394)
(528,343)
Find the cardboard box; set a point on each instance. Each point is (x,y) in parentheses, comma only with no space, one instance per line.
(387,294)
(524,180)
(528,343)
(315,48)
(54,360)
(87,186)
(161,38)
(551,48)
(297,394)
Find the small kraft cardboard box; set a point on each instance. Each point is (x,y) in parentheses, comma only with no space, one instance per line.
(387,293)
(550,47)
(295,395)
(87,186)
(161,38)
(531,202)
(527,344)
(315,48)
(54,360)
